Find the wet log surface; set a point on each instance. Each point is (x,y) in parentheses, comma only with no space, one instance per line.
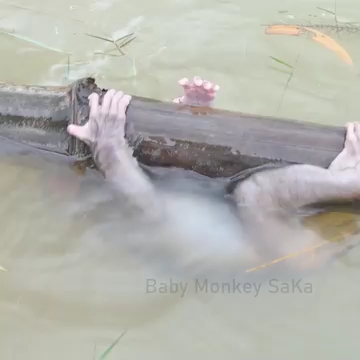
(211,142)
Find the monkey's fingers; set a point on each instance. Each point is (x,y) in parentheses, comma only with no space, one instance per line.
(83,133)
(184,82)
(197,81)
(357,134)
(94,106)
(80,132)
(352,142)
(106,103)
(114,106)
(123,105)
(121,113)
(179,100)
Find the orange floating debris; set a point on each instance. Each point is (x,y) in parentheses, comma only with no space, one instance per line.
(296,30)
(331,44)
(284,30)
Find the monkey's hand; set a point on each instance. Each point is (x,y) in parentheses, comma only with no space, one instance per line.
(104,133)
(106,121)
(349,158)
(197,92)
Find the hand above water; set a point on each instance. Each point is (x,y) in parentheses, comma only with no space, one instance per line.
(106,121)
(197,92)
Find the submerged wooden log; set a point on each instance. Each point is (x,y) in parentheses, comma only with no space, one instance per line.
(212,142)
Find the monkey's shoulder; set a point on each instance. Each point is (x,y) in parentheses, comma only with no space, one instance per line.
(234,180)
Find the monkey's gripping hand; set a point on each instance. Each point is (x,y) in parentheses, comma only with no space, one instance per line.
(104,133)
(106,122)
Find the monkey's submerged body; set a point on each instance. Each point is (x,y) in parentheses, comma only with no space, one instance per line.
(263,201)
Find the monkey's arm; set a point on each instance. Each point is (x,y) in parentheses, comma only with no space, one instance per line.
(267,198)
(105,135)
(295,186)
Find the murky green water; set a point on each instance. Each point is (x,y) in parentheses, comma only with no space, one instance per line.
(70,290)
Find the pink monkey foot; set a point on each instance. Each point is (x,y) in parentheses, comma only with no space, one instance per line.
(197,92)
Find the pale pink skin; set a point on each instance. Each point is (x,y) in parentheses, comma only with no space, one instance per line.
(197,92)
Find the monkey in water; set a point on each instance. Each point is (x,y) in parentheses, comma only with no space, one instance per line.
(264,202)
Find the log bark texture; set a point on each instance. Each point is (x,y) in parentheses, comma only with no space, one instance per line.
(212,142)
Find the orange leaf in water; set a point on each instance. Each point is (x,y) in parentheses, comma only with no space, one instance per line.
(330,44)
(317,36)
(284,30)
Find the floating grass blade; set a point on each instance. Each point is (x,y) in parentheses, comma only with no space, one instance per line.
(281,62)
(328,11)
(107,351)
(41,12)
(105,53)
(100,38)
(32,41)
(119,49)
(124,37)
(288,82)
(127,42)
(3,269)
(127,39)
